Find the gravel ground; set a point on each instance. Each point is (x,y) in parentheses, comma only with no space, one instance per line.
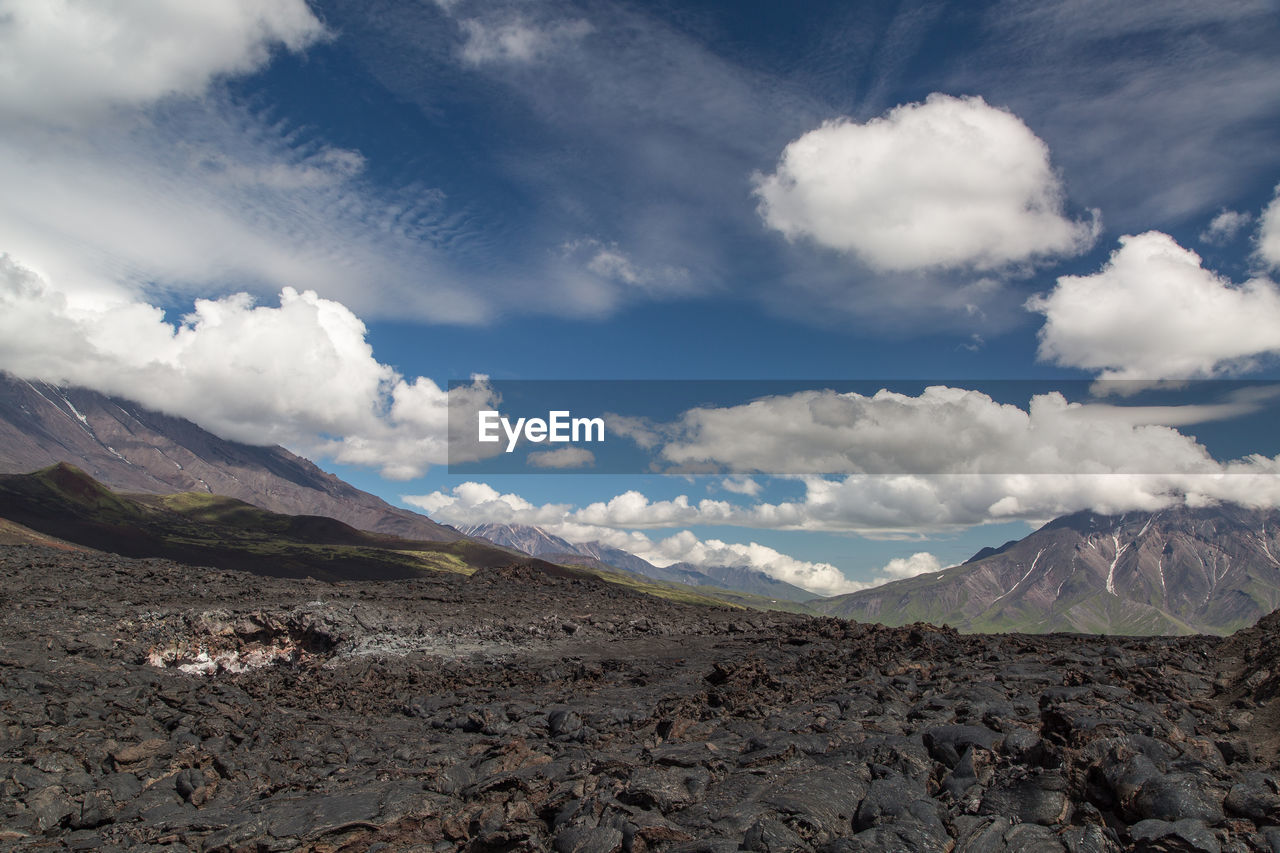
(149,705)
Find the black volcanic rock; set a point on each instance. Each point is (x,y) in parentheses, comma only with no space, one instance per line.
(130,448)
(146,703)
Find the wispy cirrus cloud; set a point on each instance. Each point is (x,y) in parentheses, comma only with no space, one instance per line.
(1156,113)
(139,170)
(517,39)
(639,138)
(129,169)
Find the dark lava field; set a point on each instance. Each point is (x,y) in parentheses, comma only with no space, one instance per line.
(147,705)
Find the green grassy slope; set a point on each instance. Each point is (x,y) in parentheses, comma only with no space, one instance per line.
(64,502)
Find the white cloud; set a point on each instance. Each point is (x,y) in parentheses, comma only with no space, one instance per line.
(565,457)
(301,374)
(615,269)
(206,199)
(952,182)
(60,59)
(685,547)
(883,504)
(1269,233)
(476,503)
(741,486)
(948,458)
(127,168)
(919,563)
(1224,227)
(517,39)
(1153,312)
(943,430)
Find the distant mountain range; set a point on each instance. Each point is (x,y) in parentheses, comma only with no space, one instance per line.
(1176,571)
(537,542)
(128,447)
(63,507)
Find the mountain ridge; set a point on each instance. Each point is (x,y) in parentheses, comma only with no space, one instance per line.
(535,541)
(1175,571)
(128,447)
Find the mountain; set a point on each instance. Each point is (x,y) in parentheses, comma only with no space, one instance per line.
(522,537)
(1176,571)
(64,502)
(130,448)
(537,542)
(63,507)
(747,579)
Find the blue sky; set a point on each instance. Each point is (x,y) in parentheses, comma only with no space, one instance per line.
(410,193)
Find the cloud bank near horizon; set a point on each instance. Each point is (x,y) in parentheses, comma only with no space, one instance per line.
(471,500)
(301,374)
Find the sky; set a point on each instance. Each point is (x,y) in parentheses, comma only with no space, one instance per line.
(931,257)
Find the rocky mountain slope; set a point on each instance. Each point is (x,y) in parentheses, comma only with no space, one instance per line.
(1177,571)
(68,505)
(130,448)
(147,705)
(61,505)
(537,542)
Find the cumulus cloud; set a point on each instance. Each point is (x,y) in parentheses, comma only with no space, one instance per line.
(1269,233)
(685,547)
(476,503)
(949,183)
(300,374)
(885,504)
(945,459)
(1224,227)
(942,430)
(1154,312)
(564,457)
(64,58)
(741,486)
(919,563)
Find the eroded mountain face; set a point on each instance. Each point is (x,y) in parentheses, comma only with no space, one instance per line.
(130,448)
(146,702)
(1177,571)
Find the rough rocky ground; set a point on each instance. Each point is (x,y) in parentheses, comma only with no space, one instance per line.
(148,705)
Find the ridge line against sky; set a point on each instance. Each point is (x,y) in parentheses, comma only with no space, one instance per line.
(293,222)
